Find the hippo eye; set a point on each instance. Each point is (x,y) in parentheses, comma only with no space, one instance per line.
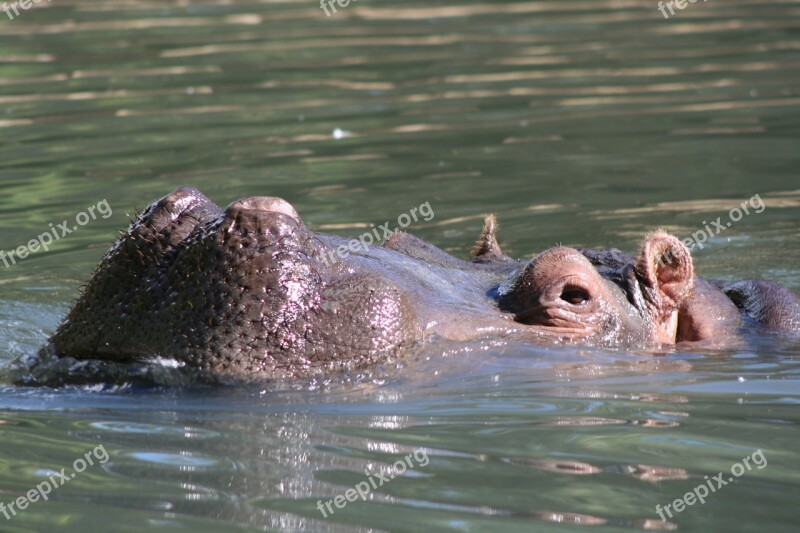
(574,295)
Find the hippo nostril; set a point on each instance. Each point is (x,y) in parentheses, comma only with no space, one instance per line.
(575,295)
(265,203)
(261,214)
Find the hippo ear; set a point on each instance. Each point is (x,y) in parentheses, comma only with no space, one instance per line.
(486,246)
(666,274)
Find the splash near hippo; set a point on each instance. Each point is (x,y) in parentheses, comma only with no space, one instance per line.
(250,292)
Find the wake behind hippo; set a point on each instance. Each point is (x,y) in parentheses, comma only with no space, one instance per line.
(251,292)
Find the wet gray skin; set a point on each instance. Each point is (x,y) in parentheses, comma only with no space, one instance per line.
(251,292)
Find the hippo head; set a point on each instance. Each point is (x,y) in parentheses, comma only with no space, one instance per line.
(603,296)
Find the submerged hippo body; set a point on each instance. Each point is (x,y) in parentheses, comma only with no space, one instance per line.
(250,291)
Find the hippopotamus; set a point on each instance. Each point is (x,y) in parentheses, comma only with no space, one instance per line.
(250,291)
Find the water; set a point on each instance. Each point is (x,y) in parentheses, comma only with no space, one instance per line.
(576,122)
